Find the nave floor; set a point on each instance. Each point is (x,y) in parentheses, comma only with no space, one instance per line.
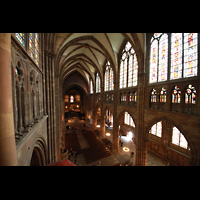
(122,156)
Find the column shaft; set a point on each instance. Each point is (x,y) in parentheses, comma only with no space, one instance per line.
(8,155)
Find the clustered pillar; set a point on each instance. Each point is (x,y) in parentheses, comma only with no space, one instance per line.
(8,155)
(50,106)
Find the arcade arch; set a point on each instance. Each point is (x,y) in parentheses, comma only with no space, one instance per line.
(39,153)
(170,141)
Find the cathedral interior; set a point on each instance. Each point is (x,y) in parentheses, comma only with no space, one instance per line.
(119,99)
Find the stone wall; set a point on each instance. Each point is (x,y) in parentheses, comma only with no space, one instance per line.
(26,145)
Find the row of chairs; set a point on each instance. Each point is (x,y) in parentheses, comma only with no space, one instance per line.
(107,142)
(97,149)
(71,141)
(125,163)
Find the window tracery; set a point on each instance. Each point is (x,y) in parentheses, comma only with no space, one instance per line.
(153,95)
(163,95)
(183,54)
(20,37)
(34,46)
(190,95)
(176,95)
(156,129)
(128,67)
(178,138)
(109,78)
(128,120)
(98,84)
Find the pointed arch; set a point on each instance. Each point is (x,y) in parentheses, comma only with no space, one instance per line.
(174,123)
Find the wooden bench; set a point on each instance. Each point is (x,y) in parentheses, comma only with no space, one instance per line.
(126,162)
(129,164)
(118,164)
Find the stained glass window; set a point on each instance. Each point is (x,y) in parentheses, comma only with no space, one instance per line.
(153,95)
(109,78)
(133,96)
(156,129)
(20,37)
(178,138)
(163,58)
(135,70)
(106,79)
(123,71)
(98,84)
(176,95)
(128,67)
(123,97)
(71,99)
(154,62)
(163,95)
(111,83)
(183,55)
(128,120)
(190,54)
(66,98)
(16,71)
(158,58)
(91,87)
(37,48)
(190,94)
(176,56)
(31,44)
(34,46)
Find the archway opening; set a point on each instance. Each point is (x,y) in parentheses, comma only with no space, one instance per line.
(127,136)
(108,119)
(37,158)
(168,143)
(75,103)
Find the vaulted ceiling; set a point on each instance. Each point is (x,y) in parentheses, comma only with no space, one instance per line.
(87,53)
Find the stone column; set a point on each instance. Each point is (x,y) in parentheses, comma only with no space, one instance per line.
(94,112)
(182,100)
(141,140)
(48,104)
(8,155)
(115,146)
(102,120)
(20,110)
(102,124)
(168,98)
(56,150)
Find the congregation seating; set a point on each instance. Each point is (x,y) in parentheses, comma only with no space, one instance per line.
(125,162)
(129,164)
(97,149)
(118,164)
(71,141)
(107,142)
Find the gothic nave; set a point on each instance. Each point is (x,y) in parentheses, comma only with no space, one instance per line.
(141,89)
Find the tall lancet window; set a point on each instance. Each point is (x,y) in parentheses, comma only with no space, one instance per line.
(34,46)
(20,37)
(109,78)
(128,67)
(158,58)
(98,84)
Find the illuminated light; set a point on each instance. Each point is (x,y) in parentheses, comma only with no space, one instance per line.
(77,106)
(126,149)
(98,126)
(129,135)
(108,134)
